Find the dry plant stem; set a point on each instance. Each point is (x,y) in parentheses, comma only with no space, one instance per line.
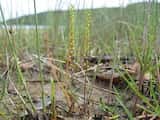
(158,75)
(157,70)
(102,89)
(89,69)
(53,109)
(49,59)
(87,84)
(13,104)
(86,98)
(145,117)
(21,98)
(65,73)
(85,101)
(46,44)
(141,80)
(84,88)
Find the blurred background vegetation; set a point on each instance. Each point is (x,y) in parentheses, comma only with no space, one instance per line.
(108,25)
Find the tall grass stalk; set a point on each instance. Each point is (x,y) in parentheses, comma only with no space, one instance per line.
(86,49)
(53,109)
(38,53)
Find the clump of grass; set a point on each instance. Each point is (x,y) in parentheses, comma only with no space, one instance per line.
(19,73)
(120,100)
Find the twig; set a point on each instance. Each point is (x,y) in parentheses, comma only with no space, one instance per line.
(91,68)
(144,116)
(50,59)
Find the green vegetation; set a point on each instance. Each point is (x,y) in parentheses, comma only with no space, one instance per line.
(107,23)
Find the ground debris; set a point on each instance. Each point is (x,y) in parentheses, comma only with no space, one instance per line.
(77,94)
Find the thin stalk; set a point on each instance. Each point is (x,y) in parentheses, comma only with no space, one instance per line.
(71,44)
(53,109)
(38,53)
